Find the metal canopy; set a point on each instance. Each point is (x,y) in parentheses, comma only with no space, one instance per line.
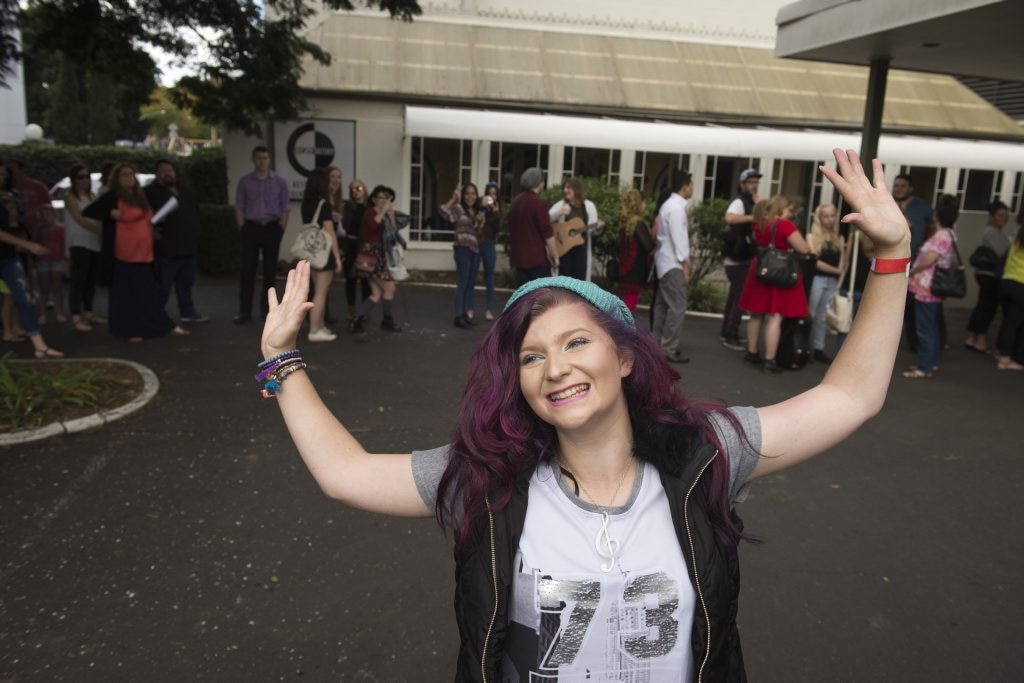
(958,37)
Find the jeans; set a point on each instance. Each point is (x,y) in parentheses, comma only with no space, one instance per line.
(467,263)
(489,257)
(926,319)
(178,272)
(988,303)
(1011,332)
(84,270)
(822,289)
(13,276)
(737,275)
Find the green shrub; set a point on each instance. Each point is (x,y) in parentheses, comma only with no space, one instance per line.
(707,228)
(218,245)
(30,393)
(705,296)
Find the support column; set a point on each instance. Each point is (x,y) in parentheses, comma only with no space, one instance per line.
(874,105)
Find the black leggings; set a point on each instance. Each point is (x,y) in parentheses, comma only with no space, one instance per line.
(84,267)
(988,302)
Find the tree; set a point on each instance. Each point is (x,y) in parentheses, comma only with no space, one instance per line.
(73,41)
(250,64)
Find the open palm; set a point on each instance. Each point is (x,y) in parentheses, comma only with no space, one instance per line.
(874,210)
(285,317)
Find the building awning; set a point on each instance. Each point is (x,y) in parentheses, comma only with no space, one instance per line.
(963,37)
(610,133)
(434,62)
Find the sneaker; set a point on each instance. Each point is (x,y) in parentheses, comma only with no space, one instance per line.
(733,343)
(753,358)
(197,318)
(357,325)
(772,367)
(677,358)
(322,335)
(461,323)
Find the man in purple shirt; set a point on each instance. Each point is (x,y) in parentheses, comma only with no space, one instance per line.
(261,213)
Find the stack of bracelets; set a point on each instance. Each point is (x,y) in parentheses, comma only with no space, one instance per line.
(274,370)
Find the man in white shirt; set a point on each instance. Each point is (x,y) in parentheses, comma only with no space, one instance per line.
(672,266)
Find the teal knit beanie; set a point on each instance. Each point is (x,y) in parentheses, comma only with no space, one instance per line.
(602,300)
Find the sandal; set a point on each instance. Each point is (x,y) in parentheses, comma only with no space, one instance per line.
(16,339)
(179,331)
(1010,365)
(82,326)
(977,349)
(48,353)
(916,373)
(97,320)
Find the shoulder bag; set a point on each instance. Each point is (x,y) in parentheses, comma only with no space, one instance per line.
(985,259)
(950,283)
(839,314)
(776,267)
(312,243)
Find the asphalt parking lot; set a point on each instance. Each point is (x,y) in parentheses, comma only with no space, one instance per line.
(187,541)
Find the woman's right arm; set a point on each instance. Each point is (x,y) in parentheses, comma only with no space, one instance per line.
(797,243)
(340,465)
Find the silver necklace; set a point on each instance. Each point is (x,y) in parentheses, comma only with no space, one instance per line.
(606,546)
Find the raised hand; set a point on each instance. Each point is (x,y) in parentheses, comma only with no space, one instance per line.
(285,317)
(874,210)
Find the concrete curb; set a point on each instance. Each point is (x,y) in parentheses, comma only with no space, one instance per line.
(150,386)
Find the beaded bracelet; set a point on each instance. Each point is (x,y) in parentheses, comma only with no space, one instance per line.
(274,370)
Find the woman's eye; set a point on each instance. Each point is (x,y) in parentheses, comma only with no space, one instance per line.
(577,343)
(530,358)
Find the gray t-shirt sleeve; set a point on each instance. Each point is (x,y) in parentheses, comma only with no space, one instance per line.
(743,453)
(427,468)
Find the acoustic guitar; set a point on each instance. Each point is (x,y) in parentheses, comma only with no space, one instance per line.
(569,234)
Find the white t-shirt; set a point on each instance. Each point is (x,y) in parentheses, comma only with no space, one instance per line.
(581,612)
(673,236)
(735,207)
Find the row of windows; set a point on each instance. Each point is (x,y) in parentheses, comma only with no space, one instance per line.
(438,166)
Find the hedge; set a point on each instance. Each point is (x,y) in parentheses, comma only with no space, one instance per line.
(218,246)
(204,172)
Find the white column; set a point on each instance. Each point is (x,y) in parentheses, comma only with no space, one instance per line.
(627,166)
(556,159)
(481,162)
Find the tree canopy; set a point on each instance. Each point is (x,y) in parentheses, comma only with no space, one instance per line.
(245,56)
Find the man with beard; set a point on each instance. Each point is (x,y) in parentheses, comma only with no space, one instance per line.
(176,240)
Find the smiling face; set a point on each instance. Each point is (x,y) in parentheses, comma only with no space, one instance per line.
(570,371)
(334,179)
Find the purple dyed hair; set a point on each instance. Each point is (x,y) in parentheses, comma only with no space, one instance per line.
(499,438)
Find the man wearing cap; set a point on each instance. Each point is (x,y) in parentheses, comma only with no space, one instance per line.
(737,249)
(672,266)
(531,241)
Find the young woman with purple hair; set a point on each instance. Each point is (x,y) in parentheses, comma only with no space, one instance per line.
(591,502)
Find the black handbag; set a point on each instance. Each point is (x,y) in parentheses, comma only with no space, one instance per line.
(950,283)
(776,267)
(985,258)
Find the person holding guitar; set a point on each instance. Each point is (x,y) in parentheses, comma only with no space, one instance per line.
(573,218)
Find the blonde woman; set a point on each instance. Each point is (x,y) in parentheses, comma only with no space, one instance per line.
(317,195)
(827,243)
(636,244)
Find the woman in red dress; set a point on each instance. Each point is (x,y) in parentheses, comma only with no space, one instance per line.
(766,303)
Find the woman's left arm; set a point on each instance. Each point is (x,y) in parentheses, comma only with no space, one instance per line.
(854,388)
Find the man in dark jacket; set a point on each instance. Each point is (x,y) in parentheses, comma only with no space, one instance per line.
(532,249)
(176,240)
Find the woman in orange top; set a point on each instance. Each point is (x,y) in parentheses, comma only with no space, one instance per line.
(136,304)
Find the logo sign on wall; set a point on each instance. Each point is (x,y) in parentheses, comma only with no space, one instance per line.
(302,146)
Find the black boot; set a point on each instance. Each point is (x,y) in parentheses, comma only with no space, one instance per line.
(389,324)
(357,325)
(461,323)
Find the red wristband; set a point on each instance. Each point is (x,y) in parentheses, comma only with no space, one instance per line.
(884,266)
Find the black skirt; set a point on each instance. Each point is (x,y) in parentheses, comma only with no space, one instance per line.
(136,305)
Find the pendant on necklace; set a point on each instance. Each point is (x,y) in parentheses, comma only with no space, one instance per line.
(606,546)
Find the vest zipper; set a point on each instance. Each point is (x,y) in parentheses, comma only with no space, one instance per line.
(693,559)
(494,578)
